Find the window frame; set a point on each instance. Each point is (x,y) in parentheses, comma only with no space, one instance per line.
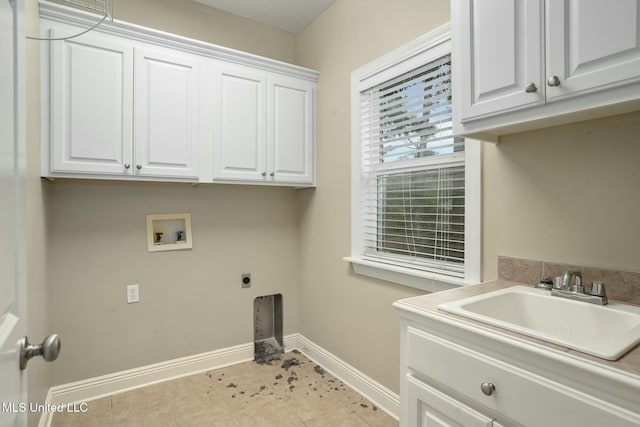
(420,51)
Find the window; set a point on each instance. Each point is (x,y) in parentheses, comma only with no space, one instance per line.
(413,218)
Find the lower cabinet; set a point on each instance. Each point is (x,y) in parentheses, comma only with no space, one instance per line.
(464,380)
(429,407)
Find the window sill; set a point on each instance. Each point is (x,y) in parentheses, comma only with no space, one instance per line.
(429,282)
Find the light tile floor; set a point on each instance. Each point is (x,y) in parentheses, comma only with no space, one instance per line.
(290,392)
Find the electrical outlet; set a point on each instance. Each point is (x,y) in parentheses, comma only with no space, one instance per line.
(246,280)
(133,293)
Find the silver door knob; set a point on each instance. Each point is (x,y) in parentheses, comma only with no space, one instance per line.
(264,174)
(553,81)
(138,167)
(531,87)
(49,350)
(272,174)
(487,388)
(127,165)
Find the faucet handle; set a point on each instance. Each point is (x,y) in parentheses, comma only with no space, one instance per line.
(545,283)
(598,289)
(577,287)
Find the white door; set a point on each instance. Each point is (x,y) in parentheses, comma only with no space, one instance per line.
(239,124)
(12,257)
(291,120)
(167,114)
(91,105)
(501,45)
(592,45)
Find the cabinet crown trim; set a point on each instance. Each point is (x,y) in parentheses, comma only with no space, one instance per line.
(68,15)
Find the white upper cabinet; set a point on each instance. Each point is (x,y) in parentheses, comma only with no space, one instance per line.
(592,45)
(167,114)
(128,102)
(291,130)
(527,64)
(94,127)
(504,70)
(263,127)
(239,124)
(91,105)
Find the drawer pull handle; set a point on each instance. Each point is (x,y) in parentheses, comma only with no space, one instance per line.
(487,388)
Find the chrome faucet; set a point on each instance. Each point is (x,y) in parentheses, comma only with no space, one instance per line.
(566,281)
(565,289)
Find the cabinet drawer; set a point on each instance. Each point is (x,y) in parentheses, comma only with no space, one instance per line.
(519,395)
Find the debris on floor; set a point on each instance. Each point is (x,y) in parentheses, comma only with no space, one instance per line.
(289,363)
(266,351)
(234,392)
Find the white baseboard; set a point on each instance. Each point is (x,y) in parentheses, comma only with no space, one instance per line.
(378,394)
(107,385)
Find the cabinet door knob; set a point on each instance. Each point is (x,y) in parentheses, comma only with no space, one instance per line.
(531,87)
(264,174)
(487,388)
(138,167)
(553,81)
(272,174)
(127,165)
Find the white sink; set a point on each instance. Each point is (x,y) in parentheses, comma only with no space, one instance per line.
(603,331)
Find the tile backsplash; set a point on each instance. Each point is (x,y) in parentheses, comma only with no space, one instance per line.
(621,285)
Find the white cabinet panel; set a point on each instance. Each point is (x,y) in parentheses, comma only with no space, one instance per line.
(464,370)
(505,58)
(429,407)
(94,127)
(526,64)
(291,118)
(91,110)
(132,103)
(592,44)
(167,108)
(452,377)
(239,124)
(263,127)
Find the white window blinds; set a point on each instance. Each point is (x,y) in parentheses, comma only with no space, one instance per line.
(413,197)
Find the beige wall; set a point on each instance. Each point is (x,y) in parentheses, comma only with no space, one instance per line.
(195,20)
(191,301)
(567,194)
(349,315)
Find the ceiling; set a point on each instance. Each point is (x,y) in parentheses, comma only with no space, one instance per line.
(289,15)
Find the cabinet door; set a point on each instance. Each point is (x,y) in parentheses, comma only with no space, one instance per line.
(91,105)
(501,55)
(429,407)
(239,124)
(291,128)
(167,113)
(592,45)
